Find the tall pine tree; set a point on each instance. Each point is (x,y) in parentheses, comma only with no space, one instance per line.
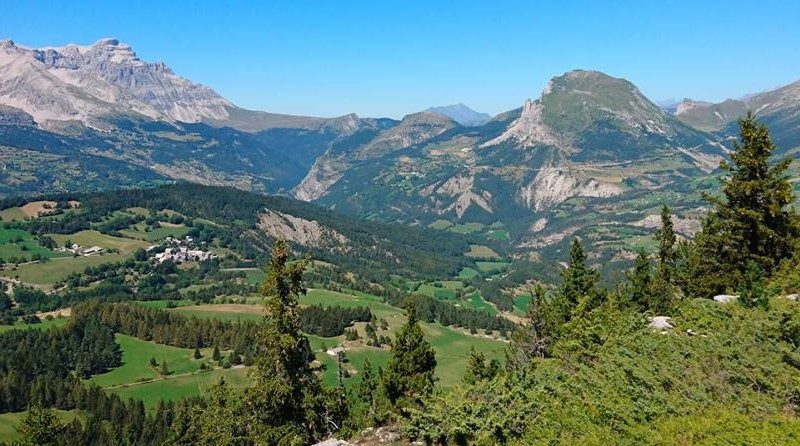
(286,398)
(409,372)
(752,221)
(666,245)
(578,290)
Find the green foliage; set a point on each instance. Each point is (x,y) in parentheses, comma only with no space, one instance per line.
(752,222)
(578,285)
(409,374)
(666,246)
(478,369)
(752,291)
(611,380)
(39,427)
(286,396)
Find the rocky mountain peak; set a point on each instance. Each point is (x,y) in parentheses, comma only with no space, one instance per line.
(106,78)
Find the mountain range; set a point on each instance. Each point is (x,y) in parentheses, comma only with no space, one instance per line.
(590,155)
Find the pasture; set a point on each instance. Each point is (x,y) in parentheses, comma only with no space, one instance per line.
(45,274)
(90,238)
(452,346)
(482,252)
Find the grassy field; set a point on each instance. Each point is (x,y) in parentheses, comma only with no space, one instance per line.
(10,420)
(466,228)
(452,351)
(154,235)
(47,273)
(468,273)
(442,292)
(223,312)
(478,303)
(21,244)
(440,224)
(44,325)
(136,379)
(93,238)
(521,303)
(136,355)
(253,276)
(357,299)
(177,387)
(492,267)
(482,252)
(452,346)
(498,234)
(12,214)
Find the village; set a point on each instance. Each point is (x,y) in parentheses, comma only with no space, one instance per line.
(179,251)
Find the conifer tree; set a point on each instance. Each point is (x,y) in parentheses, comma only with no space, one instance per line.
(752,221)
(409,372)
(39,427)
(286,396)
(666,245)
(577,291)
(534,339)
(641,281)
(368,385)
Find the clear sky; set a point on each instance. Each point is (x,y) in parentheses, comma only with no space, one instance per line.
(389,58)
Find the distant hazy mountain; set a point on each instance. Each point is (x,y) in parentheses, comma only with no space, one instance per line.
(668,105)
(462,114)
(779,109)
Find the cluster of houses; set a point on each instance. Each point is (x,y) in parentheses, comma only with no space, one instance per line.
(178,251)
(81,250)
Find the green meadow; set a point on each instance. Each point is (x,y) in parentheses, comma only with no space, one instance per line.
(45,274)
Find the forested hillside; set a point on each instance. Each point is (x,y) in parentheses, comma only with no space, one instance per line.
(697,344)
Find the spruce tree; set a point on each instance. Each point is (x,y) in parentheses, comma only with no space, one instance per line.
(286,396)
(39,427)
(409,372)
(666,245)
(577,292)
(534,339)
(641,281)
(475,367)
(752,221)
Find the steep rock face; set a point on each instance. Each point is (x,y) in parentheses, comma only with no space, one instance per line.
(88,84)
(299,230)
(554,185)
(84,83)
(325,172)
(587,153)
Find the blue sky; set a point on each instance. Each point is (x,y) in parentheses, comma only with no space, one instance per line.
(389,58)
